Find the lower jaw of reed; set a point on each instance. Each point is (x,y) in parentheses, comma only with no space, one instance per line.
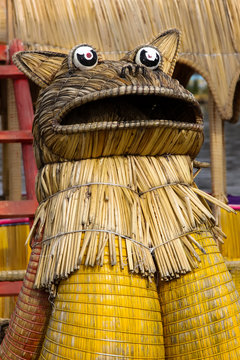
(201,311)
(105,313)
(136,141)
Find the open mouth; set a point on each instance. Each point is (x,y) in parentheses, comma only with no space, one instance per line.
(108,110)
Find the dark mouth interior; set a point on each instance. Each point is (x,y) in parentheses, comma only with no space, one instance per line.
(132,107)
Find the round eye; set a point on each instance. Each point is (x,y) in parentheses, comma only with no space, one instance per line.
(85,57)
(148,57)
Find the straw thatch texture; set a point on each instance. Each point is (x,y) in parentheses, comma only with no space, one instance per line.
(210,30)
(104,313)
(201,311)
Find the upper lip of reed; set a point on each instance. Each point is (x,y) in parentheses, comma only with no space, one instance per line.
(144,90)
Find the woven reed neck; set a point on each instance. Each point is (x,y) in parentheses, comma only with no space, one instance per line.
(116,171)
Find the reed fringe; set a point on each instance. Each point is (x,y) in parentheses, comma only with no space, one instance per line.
(154,209)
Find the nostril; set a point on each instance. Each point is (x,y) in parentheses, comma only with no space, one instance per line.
(132,70)
(139,69)
(123,72)
(125,69)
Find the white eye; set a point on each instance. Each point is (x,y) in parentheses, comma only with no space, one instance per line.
(148,57)
(85,57)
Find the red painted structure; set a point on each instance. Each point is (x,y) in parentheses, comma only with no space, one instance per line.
(10,288)
(24,208)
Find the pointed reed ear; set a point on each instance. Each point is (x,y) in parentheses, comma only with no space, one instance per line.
(168,43)
(39,66)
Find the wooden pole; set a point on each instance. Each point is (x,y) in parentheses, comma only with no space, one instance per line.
(25,118)
(217,153)
(10,31)
(13,150)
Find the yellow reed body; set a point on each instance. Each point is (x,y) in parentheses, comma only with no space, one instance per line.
(230,224)
(201,311)
(105,313)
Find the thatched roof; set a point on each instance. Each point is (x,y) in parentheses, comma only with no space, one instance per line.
(210,32)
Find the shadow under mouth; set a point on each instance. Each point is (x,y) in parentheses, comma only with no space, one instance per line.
(131,108)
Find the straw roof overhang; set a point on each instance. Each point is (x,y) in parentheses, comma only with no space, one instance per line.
(210,32)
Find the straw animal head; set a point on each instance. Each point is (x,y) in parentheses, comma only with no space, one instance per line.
(87,103)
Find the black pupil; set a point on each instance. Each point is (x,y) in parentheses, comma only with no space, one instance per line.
(85,61)
(145,61)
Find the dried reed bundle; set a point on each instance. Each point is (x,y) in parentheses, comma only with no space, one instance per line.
(96,322)
(148,203)
(201,310)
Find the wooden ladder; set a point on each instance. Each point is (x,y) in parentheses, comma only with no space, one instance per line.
(23,208)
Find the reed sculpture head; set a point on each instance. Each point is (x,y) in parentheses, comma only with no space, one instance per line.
(86,101)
